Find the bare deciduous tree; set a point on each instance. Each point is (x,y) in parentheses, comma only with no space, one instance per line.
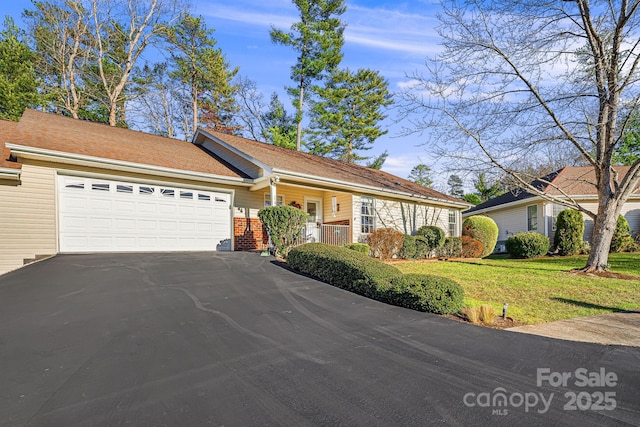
(516,78)
(123,29)
(60,34)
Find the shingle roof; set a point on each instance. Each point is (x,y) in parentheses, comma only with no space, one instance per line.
(54,132)
(571,180)
(7,128)
(300,162)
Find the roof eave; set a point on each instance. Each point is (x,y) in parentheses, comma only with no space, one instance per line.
(266,168)
(305,178)
(121,165)
(10,173)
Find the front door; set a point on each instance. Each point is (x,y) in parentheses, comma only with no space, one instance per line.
(313,207)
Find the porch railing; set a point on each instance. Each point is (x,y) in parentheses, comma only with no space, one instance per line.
(335,235)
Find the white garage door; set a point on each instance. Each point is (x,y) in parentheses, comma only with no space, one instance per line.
(112,216)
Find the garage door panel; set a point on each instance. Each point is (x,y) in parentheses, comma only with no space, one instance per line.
(102,215)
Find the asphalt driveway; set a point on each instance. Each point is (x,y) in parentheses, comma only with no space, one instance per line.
(234,339)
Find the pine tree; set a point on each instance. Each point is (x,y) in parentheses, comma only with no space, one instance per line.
(203,72)
(18,80)
(318,39)
(346,116)
(421,174)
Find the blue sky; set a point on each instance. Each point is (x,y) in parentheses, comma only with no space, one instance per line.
(391,37)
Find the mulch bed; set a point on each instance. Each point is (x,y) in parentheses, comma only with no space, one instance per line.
(498,321)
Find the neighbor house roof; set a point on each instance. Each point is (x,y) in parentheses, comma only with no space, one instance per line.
(571,180)
(62,134)
(7,128)
(304,163)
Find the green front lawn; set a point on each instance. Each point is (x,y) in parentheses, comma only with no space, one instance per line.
(540,290)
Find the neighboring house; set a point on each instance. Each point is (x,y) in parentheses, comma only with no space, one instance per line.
(73,186)
(518,210)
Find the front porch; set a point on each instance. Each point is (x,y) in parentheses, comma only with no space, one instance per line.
(329,215)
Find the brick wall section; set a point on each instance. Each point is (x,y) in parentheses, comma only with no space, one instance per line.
(249,234)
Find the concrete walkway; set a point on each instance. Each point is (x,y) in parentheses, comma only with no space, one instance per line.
(611,329)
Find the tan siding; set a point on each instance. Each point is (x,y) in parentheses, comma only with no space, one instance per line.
(28,225)
(346,208)
(631,211)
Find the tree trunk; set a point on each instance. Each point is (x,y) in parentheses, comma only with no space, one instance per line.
(113,117)
(605,225)
(300,100)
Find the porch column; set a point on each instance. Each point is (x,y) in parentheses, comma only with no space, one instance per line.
(272,188)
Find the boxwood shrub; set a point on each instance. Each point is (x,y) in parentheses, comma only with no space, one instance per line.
(527,245)
(423,248)
(434,236)
(483,229)
(452,248)
(367,276)
(569,232)
(424,292)
(408,250)
(621,240)
(363,248)
(343,268)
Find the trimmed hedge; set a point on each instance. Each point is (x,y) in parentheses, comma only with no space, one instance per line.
(363,248)
(483,229)
(367,276)
(569,232)
(343,268)
(385,243)
(452,248)
(408,250)
(527,245)
(433,235)
(424,292)
(471,248)
(423,248)
(622,240)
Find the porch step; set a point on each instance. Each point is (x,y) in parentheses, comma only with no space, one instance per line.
(26,261)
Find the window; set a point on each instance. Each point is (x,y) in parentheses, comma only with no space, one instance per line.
(556,211)
(453,222)
(186,195)
(147,191)
(267,200)
(76,185)
(532,218)
(100,187)
(367,215)
(167,192)
(203,197)
(124,188)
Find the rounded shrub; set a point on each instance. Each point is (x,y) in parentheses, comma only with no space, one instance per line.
(423,248)
(569,232)
(452,248)
(434,235)
(471,248)
(424,292)
(527,245)
(483,229)
(622,239)
(385,243)
(363,248)
(344,268)
(408,250)
(284,225)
